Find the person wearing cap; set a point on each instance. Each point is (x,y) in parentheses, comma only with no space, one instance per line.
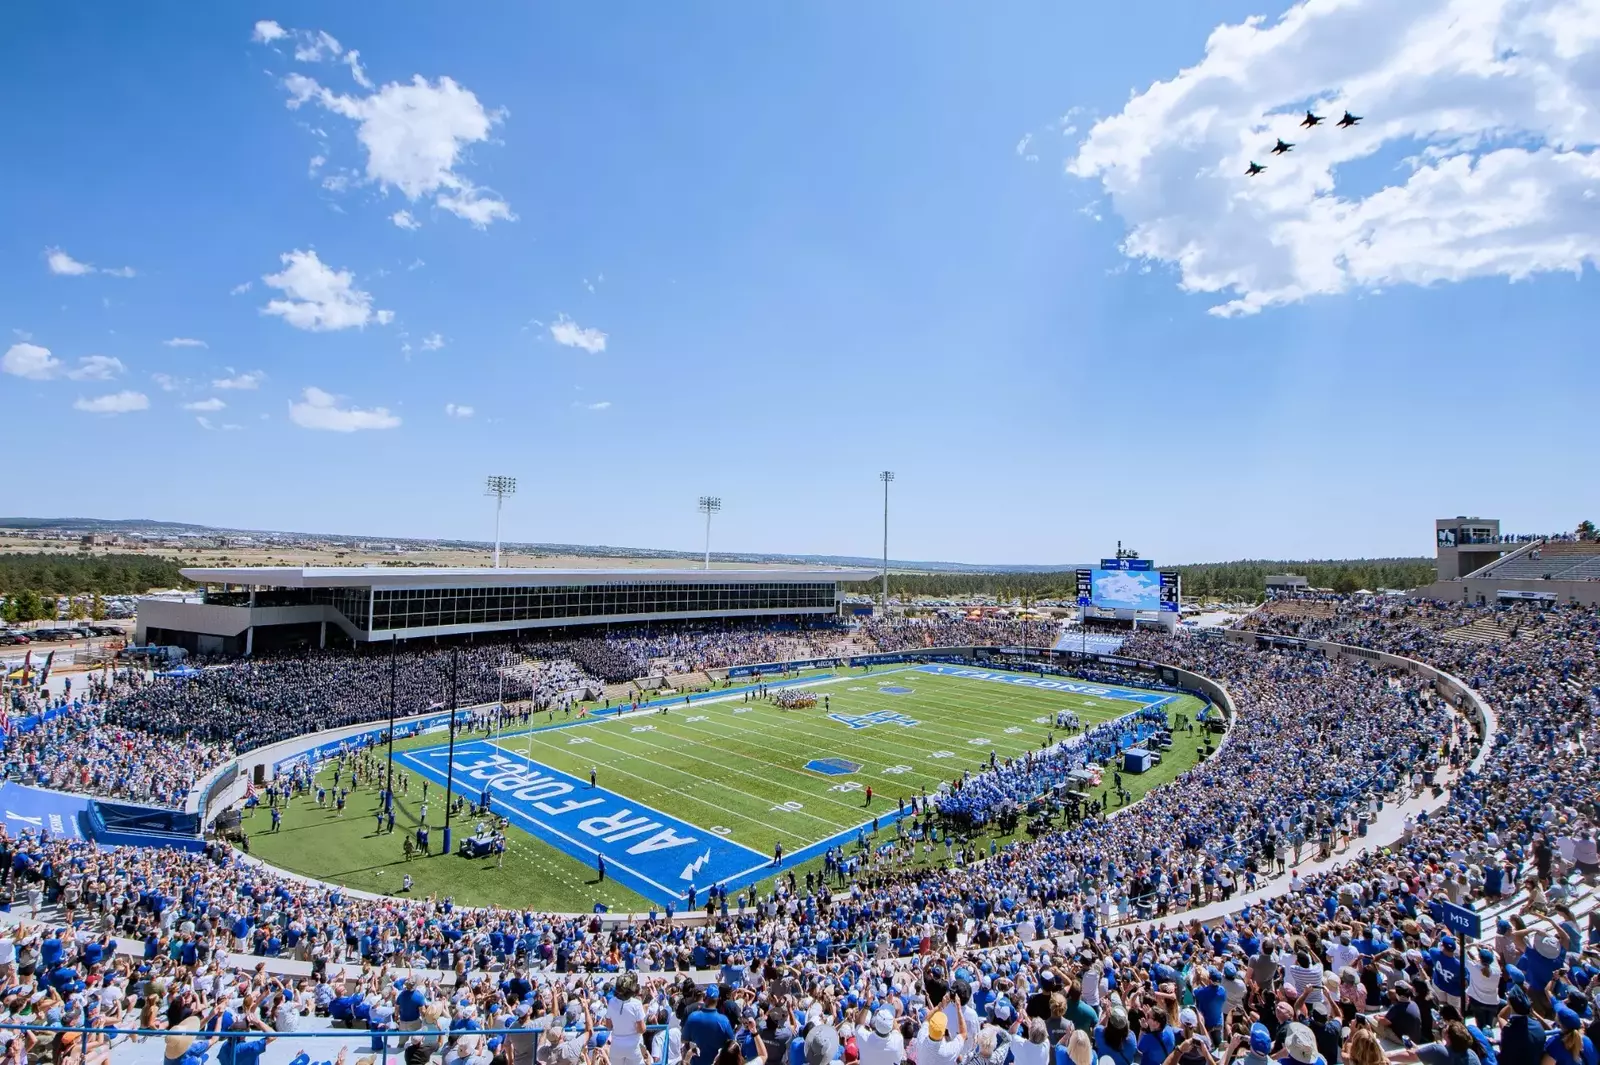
(1522,1037)
(1445,972)
(822,1045)
(1568,1045)
(1113,1041)
(706,1029)
(881,1043)
(625,1018)
(1300,1047)
(1542,953)
(1402,1020)
(936,1044)
(1483,988)
(1256,1046)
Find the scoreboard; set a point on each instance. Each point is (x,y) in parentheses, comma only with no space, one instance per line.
(1129,584)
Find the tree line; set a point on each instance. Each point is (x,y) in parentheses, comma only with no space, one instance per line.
(1232,581)
(51,575)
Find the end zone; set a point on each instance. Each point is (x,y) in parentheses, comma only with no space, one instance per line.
(651,852)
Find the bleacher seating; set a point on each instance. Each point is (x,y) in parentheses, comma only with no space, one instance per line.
(1552,560)
(1484,630)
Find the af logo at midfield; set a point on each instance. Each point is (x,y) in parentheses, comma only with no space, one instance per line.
(877,717)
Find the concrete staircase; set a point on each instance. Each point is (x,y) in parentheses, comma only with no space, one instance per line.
(1484,630)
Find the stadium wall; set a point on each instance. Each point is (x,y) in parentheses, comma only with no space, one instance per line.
(1487,590)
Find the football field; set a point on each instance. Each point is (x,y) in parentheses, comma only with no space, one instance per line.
(704,793)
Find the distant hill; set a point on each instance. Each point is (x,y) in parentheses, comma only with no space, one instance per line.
(150,527)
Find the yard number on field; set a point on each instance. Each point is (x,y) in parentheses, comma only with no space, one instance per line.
(790,807)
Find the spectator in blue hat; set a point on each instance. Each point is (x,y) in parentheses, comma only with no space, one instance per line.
(706,1029)
(1483,989)
(1568,1045)
(1522,1038)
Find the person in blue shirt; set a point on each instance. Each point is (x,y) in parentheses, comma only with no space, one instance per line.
(1156,1039)
(1210,998)
(1568,1045)
(1522,1037)
(1113,1039)
(1447,973)
(706,1028)
(236,1050)
(408,1006)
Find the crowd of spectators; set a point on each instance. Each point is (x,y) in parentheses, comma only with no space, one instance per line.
(75,750)
(263,700)
(896,633)
(958,963)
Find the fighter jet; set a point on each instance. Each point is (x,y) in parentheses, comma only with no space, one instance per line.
(1310,120)
(1255,168)
(1282,146)
(1348,120)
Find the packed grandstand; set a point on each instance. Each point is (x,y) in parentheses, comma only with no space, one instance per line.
(1233,913)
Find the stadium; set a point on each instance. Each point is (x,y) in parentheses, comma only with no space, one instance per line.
(686,773)
(1026,534)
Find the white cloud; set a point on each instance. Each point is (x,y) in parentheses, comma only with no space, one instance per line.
(416,264)
(565,331)
(1022,149)
(321,298)
(432,342)
(96,368)
(245,382)
(240,289)
(404,220)
(65,265)
(185,342)
(456,410)
(204,422)
(315,46)
(211,404)
(352,59)
(604,404)
(414,134)
(320,410)
(268,31)
(114,403)
(1495,102)
(166,382)
(30,361)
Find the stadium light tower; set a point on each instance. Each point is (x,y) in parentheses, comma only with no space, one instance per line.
(886,476)
(499,487)
(709,505)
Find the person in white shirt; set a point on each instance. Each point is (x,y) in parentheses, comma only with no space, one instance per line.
(1341,955)
(1483,987)
(935,1043)
(625,1018)
(1035,1049)
(1091,986)
(881,1043)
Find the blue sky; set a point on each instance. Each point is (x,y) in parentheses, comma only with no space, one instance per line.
(985,249)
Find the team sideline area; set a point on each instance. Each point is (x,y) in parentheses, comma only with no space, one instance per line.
(1375,854)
